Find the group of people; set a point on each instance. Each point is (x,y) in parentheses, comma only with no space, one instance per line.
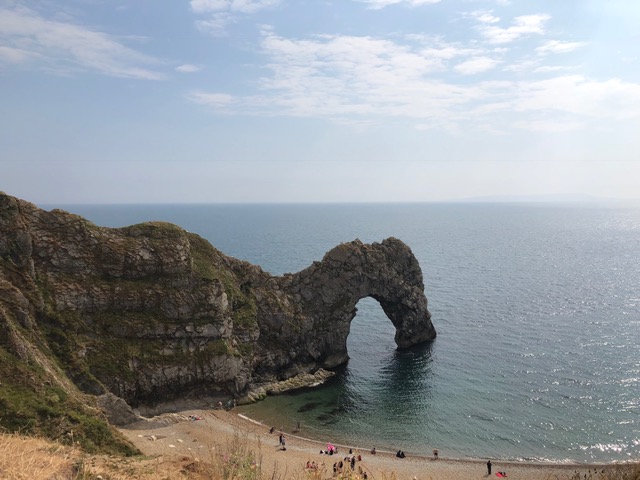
(349,462)
(340,466)
(312,465)
(329,451)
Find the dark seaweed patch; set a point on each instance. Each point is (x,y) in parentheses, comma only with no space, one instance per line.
(308,407)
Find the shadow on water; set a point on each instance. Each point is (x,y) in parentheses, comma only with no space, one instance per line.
(405,383)
(410,367)
(393,387)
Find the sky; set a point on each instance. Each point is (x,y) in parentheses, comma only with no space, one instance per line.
(226,101)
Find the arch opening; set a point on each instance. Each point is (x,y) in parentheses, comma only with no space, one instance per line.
(371,334)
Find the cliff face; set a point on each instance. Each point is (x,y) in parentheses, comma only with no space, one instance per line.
(151,312)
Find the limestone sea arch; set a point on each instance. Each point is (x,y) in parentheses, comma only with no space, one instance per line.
(152,312)
(329,290)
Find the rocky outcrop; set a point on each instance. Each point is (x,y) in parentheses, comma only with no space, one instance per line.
(117,411)
(152,312)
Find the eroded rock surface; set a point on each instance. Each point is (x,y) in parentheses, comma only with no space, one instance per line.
(151,312)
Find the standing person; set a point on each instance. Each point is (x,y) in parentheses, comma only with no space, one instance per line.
(489,467)
(280,439)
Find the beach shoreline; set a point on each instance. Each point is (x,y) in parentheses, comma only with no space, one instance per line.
(179,434)
(568,464)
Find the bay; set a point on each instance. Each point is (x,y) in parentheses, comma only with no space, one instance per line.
(537,309)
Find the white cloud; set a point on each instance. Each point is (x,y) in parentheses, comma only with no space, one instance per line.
(439,51)
(345,77)
(574,94)
(222,13)
(352,80)
(378,4)
(14,55)
(486,17)
(240,6)
(522,26)
(188,68)
(215,100)
(550,125)
(475,65)
(216,24)
(520,66)
(25,36)
(553,68)
(204,6)
(556,46)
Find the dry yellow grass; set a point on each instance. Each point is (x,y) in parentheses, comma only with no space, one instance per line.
(35,459)
(29,458)
(38,459)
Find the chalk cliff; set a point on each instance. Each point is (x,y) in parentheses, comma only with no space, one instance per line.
(152,312)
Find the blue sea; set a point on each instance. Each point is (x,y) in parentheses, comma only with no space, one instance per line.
(537,309)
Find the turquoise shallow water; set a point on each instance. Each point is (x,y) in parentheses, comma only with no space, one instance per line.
(537,309)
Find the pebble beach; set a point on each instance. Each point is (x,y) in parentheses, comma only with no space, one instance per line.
(205,434)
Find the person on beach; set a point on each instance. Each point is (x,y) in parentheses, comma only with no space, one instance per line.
(373,451)
(488,467)
(435,453)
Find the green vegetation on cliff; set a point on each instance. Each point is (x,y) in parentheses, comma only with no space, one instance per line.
(31,403)
(208,262)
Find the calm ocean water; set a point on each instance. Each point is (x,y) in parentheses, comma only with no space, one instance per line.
(537,309)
